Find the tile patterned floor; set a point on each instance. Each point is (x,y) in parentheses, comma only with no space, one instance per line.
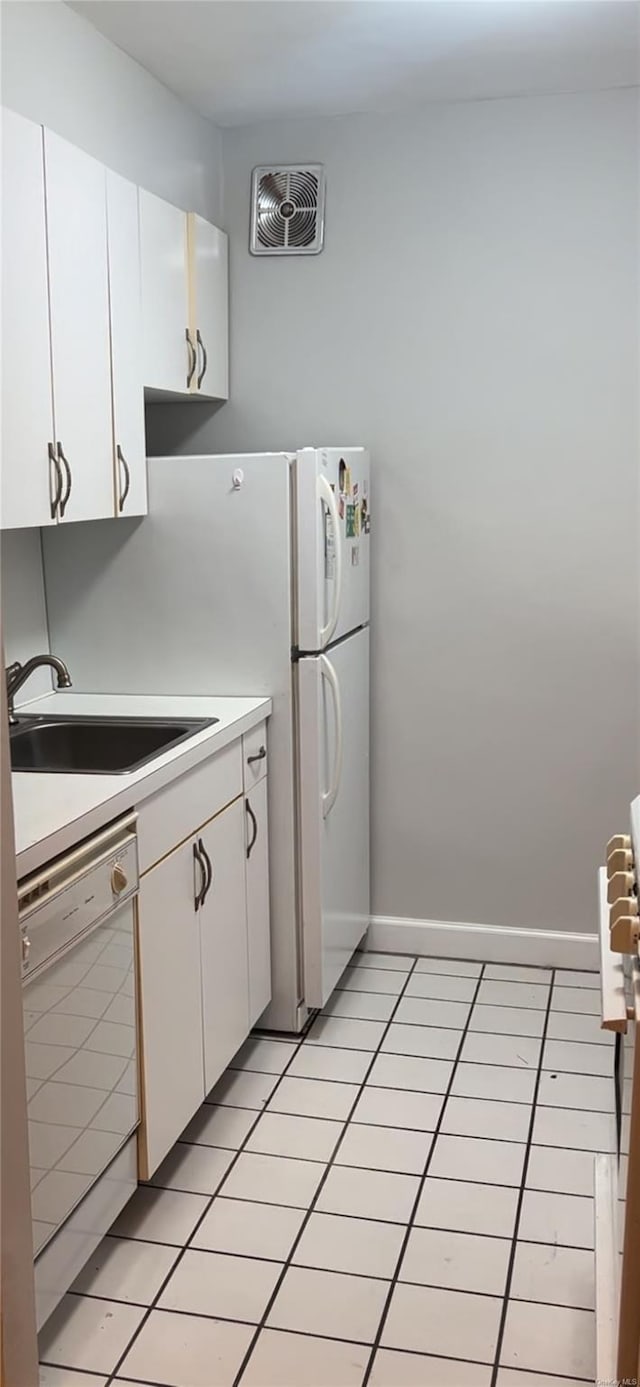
(402,1199)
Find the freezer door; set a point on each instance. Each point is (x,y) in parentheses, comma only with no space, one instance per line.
(333,520)
(333,844)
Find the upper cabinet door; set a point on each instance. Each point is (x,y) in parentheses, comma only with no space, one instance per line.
(27,477)
(209,306)
(123,232)
(79,299)
(169,363)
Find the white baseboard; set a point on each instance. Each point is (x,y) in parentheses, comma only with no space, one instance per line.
(540,948)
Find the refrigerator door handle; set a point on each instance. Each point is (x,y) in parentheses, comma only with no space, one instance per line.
(327,497)
(330,796)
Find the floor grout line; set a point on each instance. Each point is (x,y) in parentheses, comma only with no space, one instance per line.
(427,1131)
(305,1221)
(465,1001)
(358,1343)
(416,1203)
(472,1031)
(603,1044)
(343,1125)
(300,1042)
(329,1271)
(359,1218)
(521,1194)
(200,1220)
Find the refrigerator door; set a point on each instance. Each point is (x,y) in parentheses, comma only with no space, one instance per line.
(333,842)
(333,519)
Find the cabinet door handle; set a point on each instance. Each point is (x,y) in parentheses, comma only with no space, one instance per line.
(64,499)
(193,359)
(259,756)
(127,478)
(209,871)
(204,358)
(201,890)
(254,825)
(53,458)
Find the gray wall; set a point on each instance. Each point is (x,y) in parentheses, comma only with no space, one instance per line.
(24,615)
(473,319)
(59,71)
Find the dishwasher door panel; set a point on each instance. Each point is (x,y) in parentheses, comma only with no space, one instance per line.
(81,1061)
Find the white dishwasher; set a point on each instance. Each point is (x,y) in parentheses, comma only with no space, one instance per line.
(77,918)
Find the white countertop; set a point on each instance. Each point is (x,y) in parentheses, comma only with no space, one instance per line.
(52,811)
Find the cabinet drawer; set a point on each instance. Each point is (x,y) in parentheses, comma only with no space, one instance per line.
(176,812)
(254,753)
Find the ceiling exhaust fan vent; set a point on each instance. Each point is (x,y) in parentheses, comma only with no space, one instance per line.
(287,210)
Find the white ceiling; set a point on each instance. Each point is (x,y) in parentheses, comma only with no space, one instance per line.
(239,61)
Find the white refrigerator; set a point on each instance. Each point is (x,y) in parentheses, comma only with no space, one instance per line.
(250,575)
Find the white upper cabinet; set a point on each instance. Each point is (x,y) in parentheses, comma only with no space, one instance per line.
(209,306)
(168,361)
(28,479)
(107,291)
(125,308)
(185,302)
(79,302)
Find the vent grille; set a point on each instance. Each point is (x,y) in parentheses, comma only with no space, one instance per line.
(287,210)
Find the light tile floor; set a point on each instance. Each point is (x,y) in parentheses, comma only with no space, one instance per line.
(401,1199)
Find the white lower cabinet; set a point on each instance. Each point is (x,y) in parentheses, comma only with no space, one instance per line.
(258,915)
(223,943)
(170,1013)
(204,957)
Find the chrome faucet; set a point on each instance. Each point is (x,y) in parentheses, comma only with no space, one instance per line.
(17,675)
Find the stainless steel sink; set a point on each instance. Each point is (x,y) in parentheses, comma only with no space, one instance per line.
(96,746)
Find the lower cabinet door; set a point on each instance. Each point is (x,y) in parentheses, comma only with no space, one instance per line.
(223,942)
(258,919)
(170,1003)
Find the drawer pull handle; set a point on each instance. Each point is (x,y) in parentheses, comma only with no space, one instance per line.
(200,890)
(204,358)
(53,458)
(64,500)
(127,478)
(209,871)
(193,360)
(259,756)
(254,824)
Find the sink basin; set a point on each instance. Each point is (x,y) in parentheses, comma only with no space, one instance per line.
(96,746)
